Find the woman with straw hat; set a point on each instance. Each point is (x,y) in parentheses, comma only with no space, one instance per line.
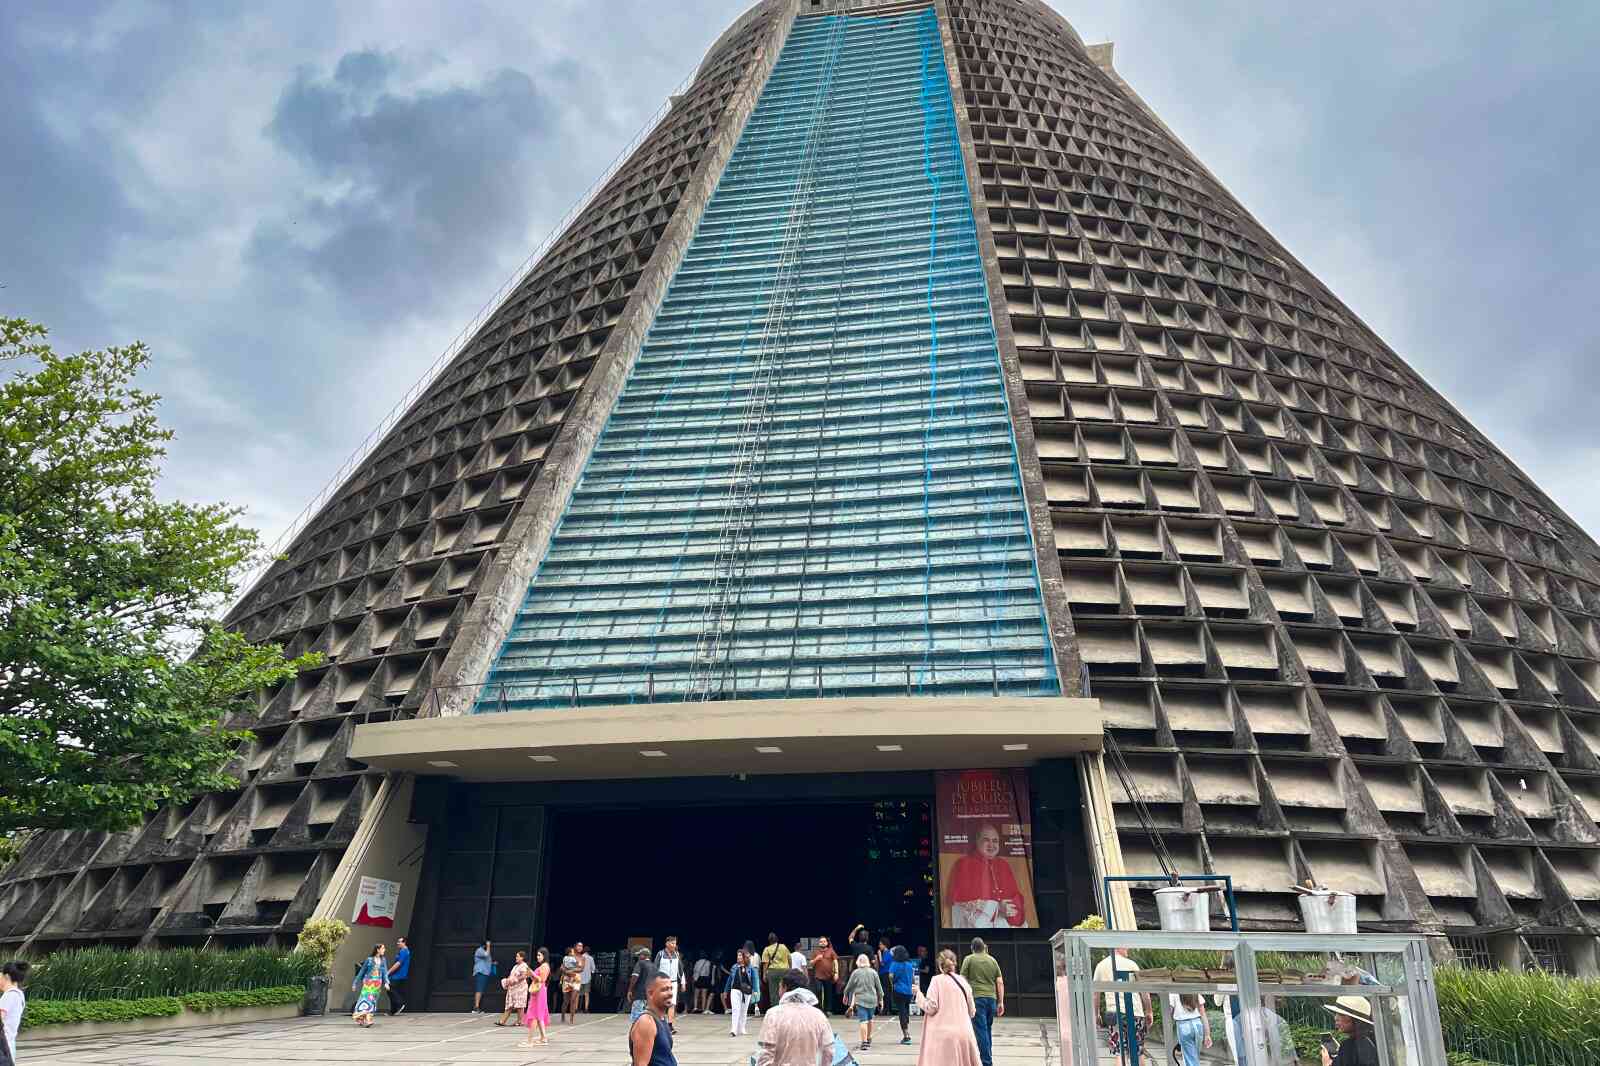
(1352,1016)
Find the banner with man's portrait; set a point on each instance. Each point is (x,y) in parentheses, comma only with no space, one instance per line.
(985,825)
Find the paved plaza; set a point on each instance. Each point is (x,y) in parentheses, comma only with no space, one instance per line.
(473,1040)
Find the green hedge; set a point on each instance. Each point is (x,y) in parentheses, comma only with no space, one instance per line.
(42,1012)
(254,997)
(97,973)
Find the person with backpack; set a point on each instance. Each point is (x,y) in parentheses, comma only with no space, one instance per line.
(739,991)
(774,964)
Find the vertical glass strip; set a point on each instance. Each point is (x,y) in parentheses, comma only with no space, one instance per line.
(808,486)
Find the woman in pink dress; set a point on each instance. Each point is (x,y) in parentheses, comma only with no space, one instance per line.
(516,985)
(537,1011)
(947,1036)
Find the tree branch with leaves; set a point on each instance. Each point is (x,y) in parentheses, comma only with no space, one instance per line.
(115,676)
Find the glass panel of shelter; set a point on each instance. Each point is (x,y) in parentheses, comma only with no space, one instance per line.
(1259,992)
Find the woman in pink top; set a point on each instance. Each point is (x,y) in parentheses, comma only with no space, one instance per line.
(947,1036)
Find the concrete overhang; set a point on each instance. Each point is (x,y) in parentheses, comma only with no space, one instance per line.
(723,737)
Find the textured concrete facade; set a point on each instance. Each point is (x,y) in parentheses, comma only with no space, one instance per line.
(1336,634)
(385,578)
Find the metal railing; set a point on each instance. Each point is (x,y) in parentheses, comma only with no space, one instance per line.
(676,684)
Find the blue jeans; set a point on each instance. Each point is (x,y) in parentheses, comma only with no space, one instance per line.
(983,1027)
(1191,1031)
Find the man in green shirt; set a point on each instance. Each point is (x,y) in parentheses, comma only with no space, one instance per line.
(988,995)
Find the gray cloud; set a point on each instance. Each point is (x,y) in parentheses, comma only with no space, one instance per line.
(1433,164)
(298,205)
(409,186)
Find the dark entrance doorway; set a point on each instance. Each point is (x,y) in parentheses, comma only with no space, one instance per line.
(716,876)
(715,861)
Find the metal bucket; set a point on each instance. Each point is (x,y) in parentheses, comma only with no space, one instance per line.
(1327,911)
(1184,910)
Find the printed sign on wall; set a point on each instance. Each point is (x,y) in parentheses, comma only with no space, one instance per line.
(985,828)
(377,901)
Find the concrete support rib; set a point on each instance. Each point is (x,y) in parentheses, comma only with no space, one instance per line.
(486,626)
(1276,540)
(1069,665)
(1100,827)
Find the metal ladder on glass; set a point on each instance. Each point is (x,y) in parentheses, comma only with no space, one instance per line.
(712,674)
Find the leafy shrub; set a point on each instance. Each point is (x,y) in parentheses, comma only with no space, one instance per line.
(320,939)
(1522,1019)
(204,1002)
(42,1012)
(103,973)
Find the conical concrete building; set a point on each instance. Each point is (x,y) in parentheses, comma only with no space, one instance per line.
(909,403)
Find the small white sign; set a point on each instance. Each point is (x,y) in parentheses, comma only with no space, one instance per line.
(377,901)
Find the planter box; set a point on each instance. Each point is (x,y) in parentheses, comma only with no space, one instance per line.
(187,1019)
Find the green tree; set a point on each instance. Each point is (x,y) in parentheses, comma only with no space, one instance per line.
(114,674)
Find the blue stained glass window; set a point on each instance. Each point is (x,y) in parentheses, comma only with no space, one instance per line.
(809,485)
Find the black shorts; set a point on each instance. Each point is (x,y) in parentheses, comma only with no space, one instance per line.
(702,982)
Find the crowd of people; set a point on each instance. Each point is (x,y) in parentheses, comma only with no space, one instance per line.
(958,1000)
(792,988)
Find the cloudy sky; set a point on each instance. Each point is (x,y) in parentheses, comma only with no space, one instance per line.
(298,204)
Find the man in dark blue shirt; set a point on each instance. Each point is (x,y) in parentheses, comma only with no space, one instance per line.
(397,978)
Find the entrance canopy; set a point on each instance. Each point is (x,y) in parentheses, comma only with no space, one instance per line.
(736,736)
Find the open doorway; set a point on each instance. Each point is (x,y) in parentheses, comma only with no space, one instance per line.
(716,876)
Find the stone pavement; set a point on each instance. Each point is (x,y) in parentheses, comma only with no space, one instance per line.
(473,1040)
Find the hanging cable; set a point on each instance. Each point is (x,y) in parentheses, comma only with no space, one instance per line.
(1141,810)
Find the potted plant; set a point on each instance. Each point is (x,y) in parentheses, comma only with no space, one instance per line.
(320,938)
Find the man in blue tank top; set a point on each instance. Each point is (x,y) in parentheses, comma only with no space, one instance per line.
(650,1036)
